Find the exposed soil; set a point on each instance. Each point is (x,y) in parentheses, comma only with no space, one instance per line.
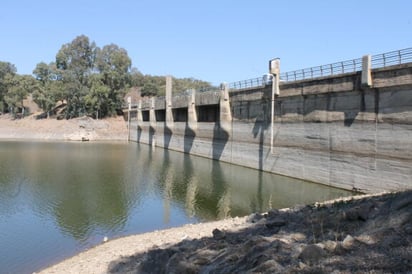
(79,129)
(365,234)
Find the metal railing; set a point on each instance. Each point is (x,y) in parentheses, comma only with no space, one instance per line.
(377,61)
(397,57)
(249,83)
(188,92)
(324,70)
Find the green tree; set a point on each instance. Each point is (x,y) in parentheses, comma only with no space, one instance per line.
(113,65)
(51,87)
(6,70)
(97,100)
(136,78)
(19,86)
(74,93)
(150,89)
(77,57)
(75,61)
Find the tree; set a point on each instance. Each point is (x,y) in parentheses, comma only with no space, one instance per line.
(75,60)
(113,65)
(6,70)
(74,93)
(136,78)
(77,57)
(51,87)
(149,89)
(19,86)
(97,100)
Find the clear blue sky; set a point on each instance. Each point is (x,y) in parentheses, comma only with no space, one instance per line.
(215,40)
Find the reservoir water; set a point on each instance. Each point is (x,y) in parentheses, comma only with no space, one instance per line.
(57,199)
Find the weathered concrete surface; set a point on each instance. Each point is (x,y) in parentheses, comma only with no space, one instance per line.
(330,130)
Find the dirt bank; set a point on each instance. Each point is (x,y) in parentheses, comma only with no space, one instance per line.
(84,128)
(352,235)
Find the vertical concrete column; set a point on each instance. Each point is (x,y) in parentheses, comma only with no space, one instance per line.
(139,113)
(152,118)
(366,71)
(225,111)
(169,112)
(191,110)
(152,112)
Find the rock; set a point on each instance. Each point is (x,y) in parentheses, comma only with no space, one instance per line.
(218,234)
(178,264)
(408,229)
(269,266)
(272,213)
(348,242)
(330,245)
(302,265)
(403,200)
(254,218)
(312,253)
(359,213)
(364,211)
(366,239)
(276,222)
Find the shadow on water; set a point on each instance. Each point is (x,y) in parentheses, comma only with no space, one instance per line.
(189,138)
(220,138)
(167,136)
(220,192)
(139,133)
(152,135)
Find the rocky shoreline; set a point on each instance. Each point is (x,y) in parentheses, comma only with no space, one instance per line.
(365,234)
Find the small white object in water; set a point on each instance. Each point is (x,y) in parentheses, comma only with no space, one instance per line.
(105,239)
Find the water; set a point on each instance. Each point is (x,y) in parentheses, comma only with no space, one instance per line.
(57,199)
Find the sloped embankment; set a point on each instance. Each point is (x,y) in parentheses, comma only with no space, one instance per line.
(372,233)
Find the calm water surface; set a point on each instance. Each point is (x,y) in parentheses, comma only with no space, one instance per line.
(57,199)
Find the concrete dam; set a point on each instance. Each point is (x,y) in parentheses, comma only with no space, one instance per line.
(346,125)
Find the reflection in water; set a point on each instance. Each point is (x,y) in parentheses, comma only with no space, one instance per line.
(59,198)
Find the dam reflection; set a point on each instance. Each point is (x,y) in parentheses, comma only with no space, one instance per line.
(213,190)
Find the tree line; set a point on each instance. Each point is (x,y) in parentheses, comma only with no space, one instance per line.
(85,79)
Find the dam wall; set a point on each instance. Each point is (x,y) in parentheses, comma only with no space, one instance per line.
(335,130)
